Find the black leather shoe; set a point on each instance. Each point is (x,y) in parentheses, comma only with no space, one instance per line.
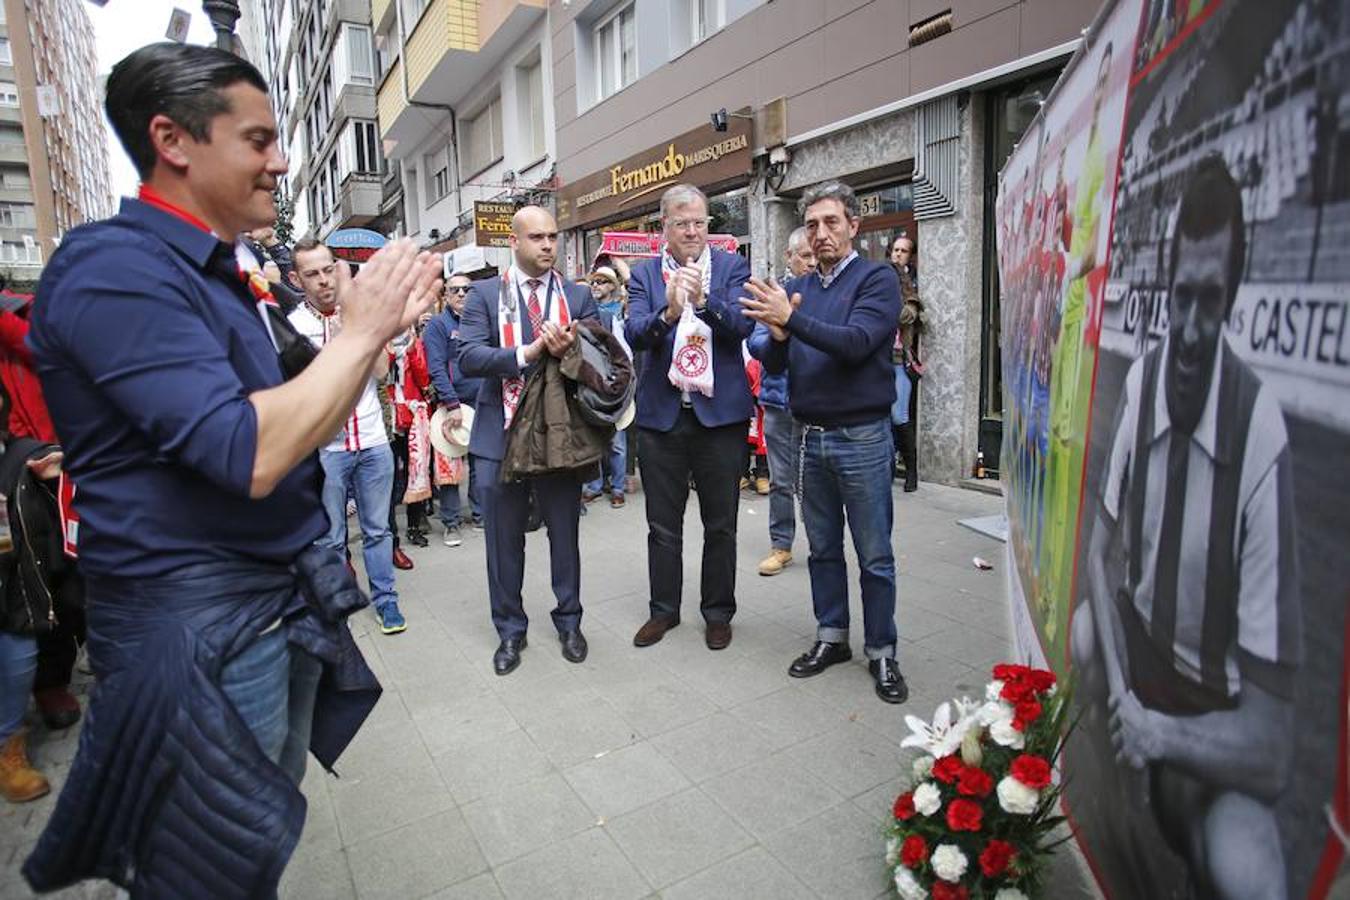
(573,646)
(891,685)
(820,657)
(507,657)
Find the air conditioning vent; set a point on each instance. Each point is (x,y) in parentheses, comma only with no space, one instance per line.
(930,28)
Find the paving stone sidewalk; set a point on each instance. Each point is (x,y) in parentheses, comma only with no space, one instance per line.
(670,771)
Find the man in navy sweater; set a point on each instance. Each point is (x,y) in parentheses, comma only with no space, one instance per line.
(834,338)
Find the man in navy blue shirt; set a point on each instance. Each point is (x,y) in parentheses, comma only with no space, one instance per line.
(453,391)
(194,459)
(837,331)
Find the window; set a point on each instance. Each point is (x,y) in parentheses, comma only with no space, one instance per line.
(333,180)
(616,51)
(412,11)
(15,178)
(706,17)
(481,141)
(367,147)
(28,252)
(17,215)
(6,58)
(11,135)
(9,94)
(354,58)
(530,101)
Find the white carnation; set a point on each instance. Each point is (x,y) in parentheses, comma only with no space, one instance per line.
(922,767)
(907,886)
(993,690)
(927,800)
(1005,735)
(1010,894)
(1016,798)
(949,863)
(892,850)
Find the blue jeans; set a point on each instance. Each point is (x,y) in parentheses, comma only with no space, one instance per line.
(272,686)
(778,434)
(18,668)
(448,496)
(847,471)
(613,467)
(369,475)
(903,387)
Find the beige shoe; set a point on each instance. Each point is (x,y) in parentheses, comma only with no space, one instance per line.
(19,781)
(775,562)
(762,486)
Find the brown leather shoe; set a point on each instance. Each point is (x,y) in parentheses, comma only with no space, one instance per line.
(19,781)
(718,635)
(401,559)
(654,630)
(58,707)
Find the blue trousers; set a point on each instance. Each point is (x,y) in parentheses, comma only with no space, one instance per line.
(369,476)
(505,509)
(613,468)
(847,471)
(18,668)
(783,452)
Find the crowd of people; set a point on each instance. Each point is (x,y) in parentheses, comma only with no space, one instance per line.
(227,404)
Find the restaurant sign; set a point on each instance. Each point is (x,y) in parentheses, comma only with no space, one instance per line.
(492,223)
(643,243)
(700,157)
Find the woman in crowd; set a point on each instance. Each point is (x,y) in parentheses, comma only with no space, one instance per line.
(908,370)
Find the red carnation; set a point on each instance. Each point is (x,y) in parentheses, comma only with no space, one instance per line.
(974,782)
(914,851)
(995,858)
(1032,771)
(904,806)
(1024,713)
(945,890)
(1010,672)
(948,769)
(964,815)
(1041,680)
(1017,691)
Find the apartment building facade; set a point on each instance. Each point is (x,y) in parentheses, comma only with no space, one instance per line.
(465,113)
(915,103)
(319,60)
(54,171)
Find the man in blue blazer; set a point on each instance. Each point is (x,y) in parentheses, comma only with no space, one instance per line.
(509,323)
(684,433)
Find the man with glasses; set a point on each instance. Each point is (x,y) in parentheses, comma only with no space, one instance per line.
(453,390)
(685,434)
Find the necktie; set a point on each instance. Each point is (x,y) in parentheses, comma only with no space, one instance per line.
(532,305)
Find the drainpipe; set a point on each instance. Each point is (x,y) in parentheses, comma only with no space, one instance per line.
(408,100)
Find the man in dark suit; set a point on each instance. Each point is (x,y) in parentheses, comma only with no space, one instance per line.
(509,323)
(684,433)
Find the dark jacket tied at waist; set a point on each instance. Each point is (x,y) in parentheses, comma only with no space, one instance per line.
(170,794)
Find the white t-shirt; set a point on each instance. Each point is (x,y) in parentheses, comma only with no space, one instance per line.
(365,426)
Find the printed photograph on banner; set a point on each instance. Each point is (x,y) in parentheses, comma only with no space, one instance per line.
(1208,634)
(1052,323)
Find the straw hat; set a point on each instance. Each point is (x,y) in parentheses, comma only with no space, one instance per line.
(458,444)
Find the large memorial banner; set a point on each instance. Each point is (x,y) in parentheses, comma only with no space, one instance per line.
(1174,251)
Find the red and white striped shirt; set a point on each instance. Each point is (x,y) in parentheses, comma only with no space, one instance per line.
(365,424)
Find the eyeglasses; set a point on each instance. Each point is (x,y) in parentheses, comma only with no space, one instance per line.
(698,224)
(459,289)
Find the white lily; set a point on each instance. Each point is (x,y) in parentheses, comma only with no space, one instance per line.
(943,737)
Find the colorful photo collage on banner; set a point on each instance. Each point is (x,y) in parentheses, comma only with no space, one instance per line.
(1208,630)
(1065,171)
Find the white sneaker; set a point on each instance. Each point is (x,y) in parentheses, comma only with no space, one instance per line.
(452,536)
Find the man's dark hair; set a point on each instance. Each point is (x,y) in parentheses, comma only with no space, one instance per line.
(830,190)
(181,81)
(1211,203)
